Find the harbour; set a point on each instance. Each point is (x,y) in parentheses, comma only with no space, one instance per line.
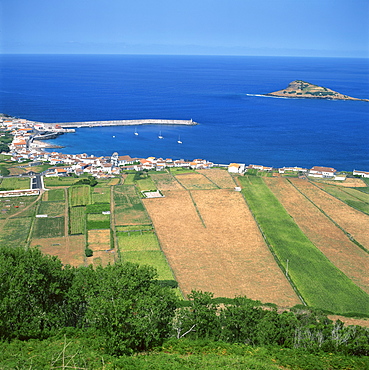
(132,122)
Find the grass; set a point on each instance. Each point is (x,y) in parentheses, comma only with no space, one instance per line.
(15,183)
(60,181)
(77,220)
(98,208)
(52,209)
(178,170)
(10,206)
(101,194)
(128,206)
(48,227)
(14,232)
(352,197)
(137,241)
(134,228)
(55,195)
(145,184)
(320,283)
(79,195)
(98,221)
(130,179)
(152,258)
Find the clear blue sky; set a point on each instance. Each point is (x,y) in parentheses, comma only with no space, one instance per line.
(220,27)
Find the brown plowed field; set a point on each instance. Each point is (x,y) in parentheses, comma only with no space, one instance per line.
(352,221)
(70,250)
(101,258)
(325,235)
(227,257)
(195,181)
(220,177)
(99,239)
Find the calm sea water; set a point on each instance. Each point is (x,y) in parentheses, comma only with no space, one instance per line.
(212,90)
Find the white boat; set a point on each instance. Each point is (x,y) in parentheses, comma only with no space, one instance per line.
(136,133)
(160,137)
(179,140)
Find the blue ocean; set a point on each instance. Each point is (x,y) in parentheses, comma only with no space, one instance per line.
(218,92)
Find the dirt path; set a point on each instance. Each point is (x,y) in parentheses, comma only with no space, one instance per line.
(24,209)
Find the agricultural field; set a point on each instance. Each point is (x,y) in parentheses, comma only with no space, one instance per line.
(52,209)
(319,282)
(195,181)
(77,220)
(79,195)
(128,207)
(60,181)
(99,240)
(98,208)
(98,221)
(350,220)
(101,194)
(354,198)
(19,206)
(323,233)
(137,241)
(145,183)
(102,258)
(129,179)
(48,227)
(15,183)
(165,181)
(70,249)
(216,246)
(55,195)
(134,227)
(14,231)
(220,177)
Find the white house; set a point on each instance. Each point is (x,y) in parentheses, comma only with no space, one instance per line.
(318,171)
(236,168)
(361,173)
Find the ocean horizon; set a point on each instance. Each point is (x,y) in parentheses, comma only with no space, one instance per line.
(221,93)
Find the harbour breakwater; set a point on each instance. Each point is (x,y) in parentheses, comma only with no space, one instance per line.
(133,122)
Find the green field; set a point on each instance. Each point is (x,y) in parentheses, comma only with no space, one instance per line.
(55,195)
(101,194)
(10,206)
(52,209)
(145,184)
(98,208)
(15,183)
(155,259)
(134,227)
(98,221)
(319,282)
(77,220)
(137,241)
(179,170)
(14,232)
(79,195)
(354,198)
(129,209)
(48,227)
(130,179)
(60,181)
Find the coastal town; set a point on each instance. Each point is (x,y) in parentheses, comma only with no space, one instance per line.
(28,146)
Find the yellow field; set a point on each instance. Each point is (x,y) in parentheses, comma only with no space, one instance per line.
(99,240)
(352,221)
(101,258)
(195,181)
(227,257)
(70,250)
(220,177)
(349,182)
(325,235)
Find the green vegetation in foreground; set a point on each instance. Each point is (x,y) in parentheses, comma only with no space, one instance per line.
(352,197)
(55,316)
(172,355)
(319,282)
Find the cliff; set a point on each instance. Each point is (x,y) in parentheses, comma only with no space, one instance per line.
(302,89)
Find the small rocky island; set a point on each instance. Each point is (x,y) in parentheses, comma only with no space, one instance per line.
(302,89)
